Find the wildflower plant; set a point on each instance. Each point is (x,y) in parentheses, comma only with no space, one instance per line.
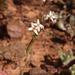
(36,27)
(56,18)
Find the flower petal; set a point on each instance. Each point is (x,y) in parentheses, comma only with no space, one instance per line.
(44,0)
(38,22)
(30,29)
(41,26)
(50,13)
(33,24)
(46,17)
(38,29)
(35,31)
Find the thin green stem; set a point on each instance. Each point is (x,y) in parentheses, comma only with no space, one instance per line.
(30,44)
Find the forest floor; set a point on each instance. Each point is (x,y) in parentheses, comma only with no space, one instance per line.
(43,58)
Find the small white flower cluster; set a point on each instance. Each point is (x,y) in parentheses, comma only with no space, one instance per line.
(56,18)
(36,27)
(52,16)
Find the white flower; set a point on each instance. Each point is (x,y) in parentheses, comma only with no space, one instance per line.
(52,16)
(36,27)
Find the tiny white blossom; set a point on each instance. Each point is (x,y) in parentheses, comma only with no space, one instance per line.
(36,27)
(52,16)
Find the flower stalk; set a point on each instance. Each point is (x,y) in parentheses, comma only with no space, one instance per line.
(36,28)
(28,49)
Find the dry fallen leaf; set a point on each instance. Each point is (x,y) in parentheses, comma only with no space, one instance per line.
(15,28)
(11,71)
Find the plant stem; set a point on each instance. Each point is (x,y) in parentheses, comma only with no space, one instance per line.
(30,44)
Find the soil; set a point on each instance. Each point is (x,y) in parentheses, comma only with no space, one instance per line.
(43,58)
